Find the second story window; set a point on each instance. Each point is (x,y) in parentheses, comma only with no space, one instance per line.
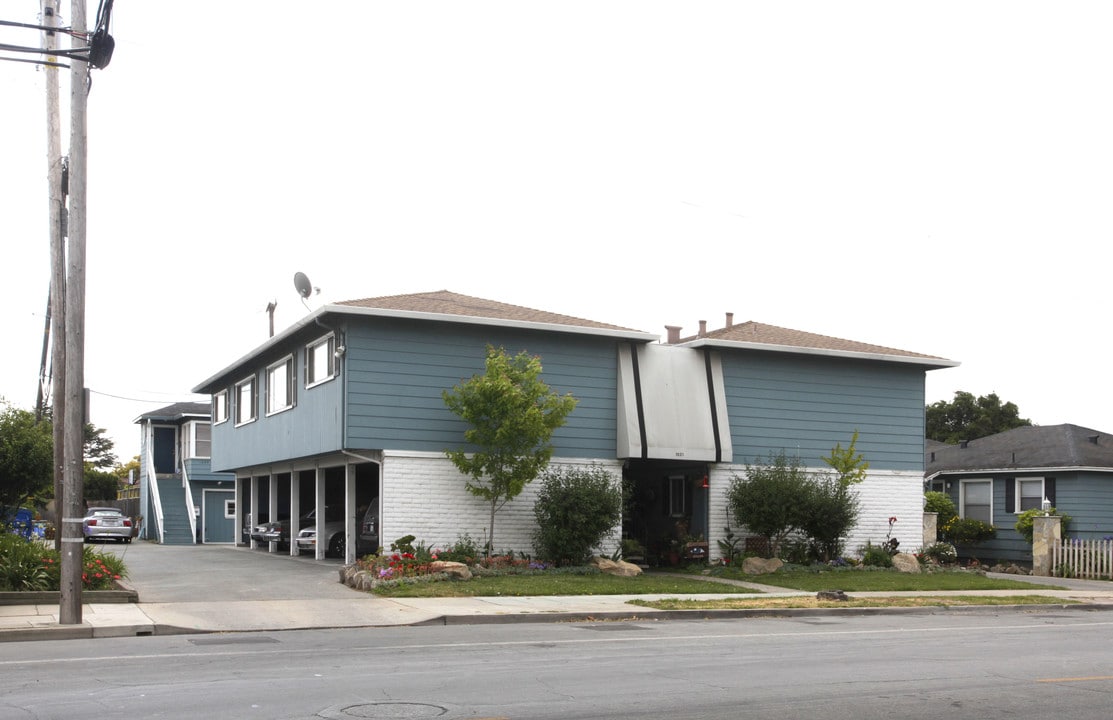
(246,396)
(280,386)
(320,360)
(220,407)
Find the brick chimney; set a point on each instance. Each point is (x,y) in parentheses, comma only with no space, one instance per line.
(730,320)
(674,334)
(702,328)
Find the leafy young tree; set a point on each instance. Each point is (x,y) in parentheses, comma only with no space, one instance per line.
(767,500)
(970,418)
(512,415)
(849,465)
(575,510)
(26,457)
(98,447)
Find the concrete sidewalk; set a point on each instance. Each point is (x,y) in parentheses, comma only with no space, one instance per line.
(246,590)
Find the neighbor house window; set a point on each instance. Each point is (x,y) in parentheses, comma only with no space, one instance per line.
(197,439)
(320,361)
(976,500)
(246,395)
(1029,494)
(220,406)
(230,509)
(280,386)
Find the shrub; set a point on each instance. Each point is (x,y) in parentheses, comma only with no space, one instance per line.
(464,550)
(767,500)
(968,531)
(1025,520)
(940,552)
(829,509)
(27,565)
(943,506)
(876,556)
(575,509)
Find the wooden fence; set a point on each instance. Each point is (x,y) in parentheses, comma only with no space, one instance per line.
(1087,559)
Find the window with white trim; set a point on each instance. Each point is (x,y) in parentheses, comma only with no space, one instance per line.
(230,509)
(976,500)
(197,439)
(320,361)
(220,407)
(1029,494)
(246,400)
(280,385)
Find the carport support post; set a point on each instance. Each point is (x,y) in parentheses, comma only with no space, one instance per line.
(254,510)
(295,510)
(350,537)
(319,548)
(272,506)
(1047,533)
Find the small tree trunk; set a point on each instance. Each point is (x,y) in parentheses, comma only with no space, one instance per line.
(491,533)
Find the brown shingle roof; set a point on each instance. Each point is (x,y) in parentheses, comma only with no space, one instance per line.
(443,302)
(762,334)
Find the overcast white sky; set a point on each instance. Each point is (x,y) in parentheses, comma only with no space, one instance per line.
(934,177)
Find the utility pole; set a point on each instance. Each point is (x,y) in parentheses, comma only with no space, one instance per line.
(57,311)
(73,541)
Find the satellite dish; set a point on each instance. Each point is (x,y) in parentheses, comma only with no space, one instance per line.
(304,287)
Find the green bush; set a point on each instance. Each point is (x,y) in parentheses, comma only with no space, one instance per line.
(767,500)
(464,550)
(967,531)
(28,565)
(876,556)
(1025,519)
(941,552)
(575,509)
(943,506)
(829,510)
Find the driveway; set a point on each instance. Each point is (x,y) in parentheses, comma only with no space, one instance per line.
(189,573)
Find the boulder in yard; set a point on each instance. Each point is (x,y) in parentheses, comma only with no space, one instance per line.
(906,563)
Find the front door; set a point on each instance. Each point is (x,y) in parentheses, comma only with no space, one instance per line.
(218,516)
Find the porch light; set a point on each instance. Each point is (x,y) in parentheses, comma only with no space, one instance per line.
(705,484)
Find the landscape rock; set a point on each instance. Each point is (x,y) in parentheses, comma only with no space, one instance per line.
(838,595)
(620,568)
(906,563)
(761,566)
(455,570)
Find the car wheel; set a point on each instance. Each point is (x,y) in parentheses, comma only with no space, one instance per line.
(336,546)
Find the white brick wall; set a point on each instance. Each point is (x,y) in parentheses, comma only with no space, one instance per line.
(883,494)
(424,495)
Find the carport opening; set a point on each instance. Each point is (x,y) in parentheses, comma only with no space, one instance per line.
(666,511)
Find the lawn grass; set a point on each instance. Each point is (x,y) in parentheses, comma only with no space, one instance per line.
(558,584)
(853,580)
(774,603)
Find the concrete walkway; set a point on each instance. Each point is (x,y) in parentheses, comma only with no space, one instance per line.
(200,589)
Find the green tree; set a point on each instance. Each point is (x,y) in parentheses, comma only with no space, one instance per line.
(99,484)
(849,465)
(512,416)
(26,457)
(768,499)
(969,418)
(575,510)
(98,447)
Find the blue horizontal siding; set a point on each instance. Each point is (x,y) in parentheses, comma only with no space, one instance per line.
(805,405)
(397,370)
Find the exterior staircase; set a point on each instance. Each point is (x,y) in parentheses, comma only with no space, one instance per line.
(175,517)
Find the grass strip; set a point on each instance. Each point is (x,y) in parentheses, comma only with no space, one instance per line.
(886,581)
(873,602)
(557,584)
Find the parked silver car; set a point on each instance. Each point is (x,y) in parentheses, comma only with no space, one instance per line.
(334,536)
(106,523)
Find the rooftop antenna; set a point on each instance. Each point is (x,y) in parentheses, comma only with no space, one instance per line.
(305,288)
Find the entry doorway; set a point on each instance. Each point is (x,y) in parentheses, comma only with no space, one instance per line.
(666,510)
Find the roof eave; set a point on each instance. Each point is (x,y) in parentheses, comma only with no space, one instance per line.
(474,320)
(206,386)
(931,363)
(1039,469)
